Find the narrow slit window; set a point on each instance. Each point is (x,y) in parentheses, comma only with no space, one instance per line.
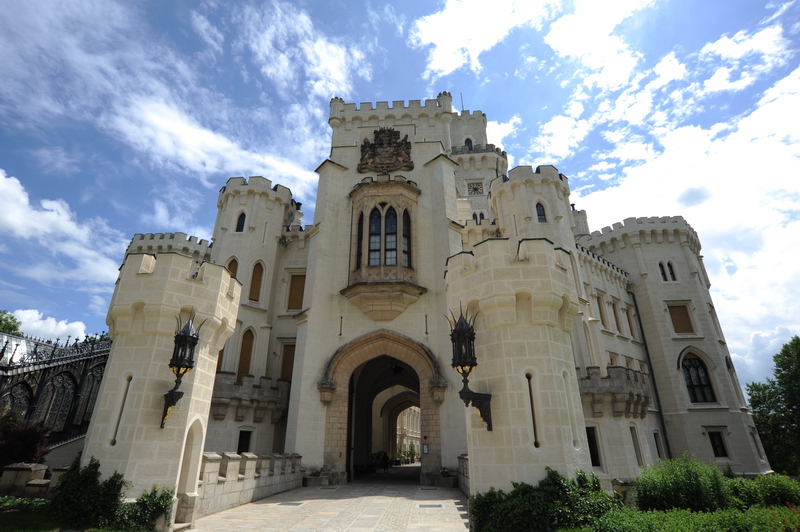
(359,240)
(536,442)
(594,449)
(240,223)
(671,271)
(662,271)
(636,448)
(406,239)
(245,354)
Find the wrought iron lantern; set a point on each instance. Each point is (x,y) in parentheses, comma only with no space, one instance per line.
(462,335)
(182,362)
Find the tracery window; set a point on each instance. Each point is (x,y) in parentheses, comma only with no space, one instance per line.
(375,238)
(390,238)
(55,402)
(697,380)
(17,400)
(540,215)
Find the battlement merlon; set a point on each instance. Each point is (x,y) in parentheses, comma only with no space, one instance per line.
(644,230)
(155,243)
(340,111)
(256,184)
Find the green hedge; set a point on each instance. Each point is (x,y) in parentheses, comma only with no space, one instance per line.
(754,519)
(682,483)
(557,502)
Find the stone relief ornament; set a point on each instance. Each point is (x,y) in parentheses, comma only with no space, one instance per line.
(386,153)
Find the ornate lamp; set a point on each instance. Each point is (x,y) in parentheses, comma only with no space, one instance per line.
(181,363)
(462,335)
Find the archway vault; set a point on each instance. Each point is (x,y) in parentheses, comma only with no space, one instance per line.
(333,388)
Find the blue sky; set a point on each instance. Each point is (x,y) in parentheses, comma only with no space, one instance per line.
(123,118)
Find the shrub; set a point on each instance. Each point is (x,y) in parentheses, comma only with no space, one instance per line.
(19,442)
(679,520)
(777,490)
(745,493)
(82,501)
(557,502)
(21,504)
(682,483)
(142,514)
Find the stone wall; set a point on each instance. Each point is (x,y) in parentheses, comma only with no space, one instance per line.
(228,480)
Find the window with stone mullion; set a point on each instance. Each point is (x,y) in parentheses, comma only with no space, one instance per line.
(375,238)
(390,249)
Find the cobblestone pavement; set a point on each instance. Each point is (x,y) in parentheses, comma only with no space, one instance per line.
(385,502)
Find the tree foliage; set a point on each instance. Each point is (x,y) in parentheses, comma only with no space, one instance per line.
(20,442)
(9,323)
(776,409)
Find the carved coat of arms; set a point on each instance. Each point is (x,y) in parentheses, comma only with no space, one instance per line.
(386,153)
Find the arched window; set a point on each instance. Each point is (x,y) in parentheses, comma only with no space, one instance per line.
(233,267)
(468,144)
(55,402)
(375,238)
(390,239)
(697,381)
(406,239)
(475,217)
(255,282)
(240,223)
(480,217)
(540,213)
(663,272)
(245,354)
(671,271)
(360,240)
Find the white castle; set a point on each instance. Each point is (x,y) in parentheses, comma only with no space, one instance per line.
(601,350)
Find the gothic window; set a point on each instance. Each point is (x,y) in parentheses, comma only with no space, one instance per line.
(55,402)
(255,282)
(671,272)
(390,238)
(360,240)
(697,380)
(406,239)
(375,238)
(233,267)
(240,223)
(475,217)
(468,144)
(663,272)
(18,400)
(245,354)
(95,377)
(594,448)
(540,213)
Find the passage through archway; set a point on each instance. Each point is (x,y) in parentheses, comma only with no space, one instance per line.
(356,374)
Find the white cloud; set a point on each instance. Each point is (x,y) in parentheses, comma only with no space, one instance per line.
(80,251)
(721,81)
(33,323)
(291,52)
(464,29)
(586,35)
(210,35)
(737,185)
(560,137)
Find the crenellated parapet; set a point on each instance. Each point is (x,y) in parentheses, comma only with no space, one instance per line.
(238,189)
(155,243)
(644,231)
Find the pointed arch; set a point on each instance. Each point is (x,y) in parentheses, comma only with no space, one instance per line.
(390,238)
(540,214)
(245,354)
(255,282)
(240,223)
(375,237)
(233,267)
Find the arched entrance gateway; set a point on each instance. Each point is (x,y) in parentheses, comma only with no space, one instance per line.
(355,375)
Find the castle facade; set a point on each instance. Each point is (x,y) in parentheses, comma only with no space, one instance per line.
(601,350)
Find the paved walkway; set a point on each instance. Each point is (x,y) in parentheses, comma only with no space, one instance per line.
(386,502)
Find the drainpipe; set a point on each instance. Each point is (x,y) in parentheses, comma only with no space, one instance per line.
(653,380)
